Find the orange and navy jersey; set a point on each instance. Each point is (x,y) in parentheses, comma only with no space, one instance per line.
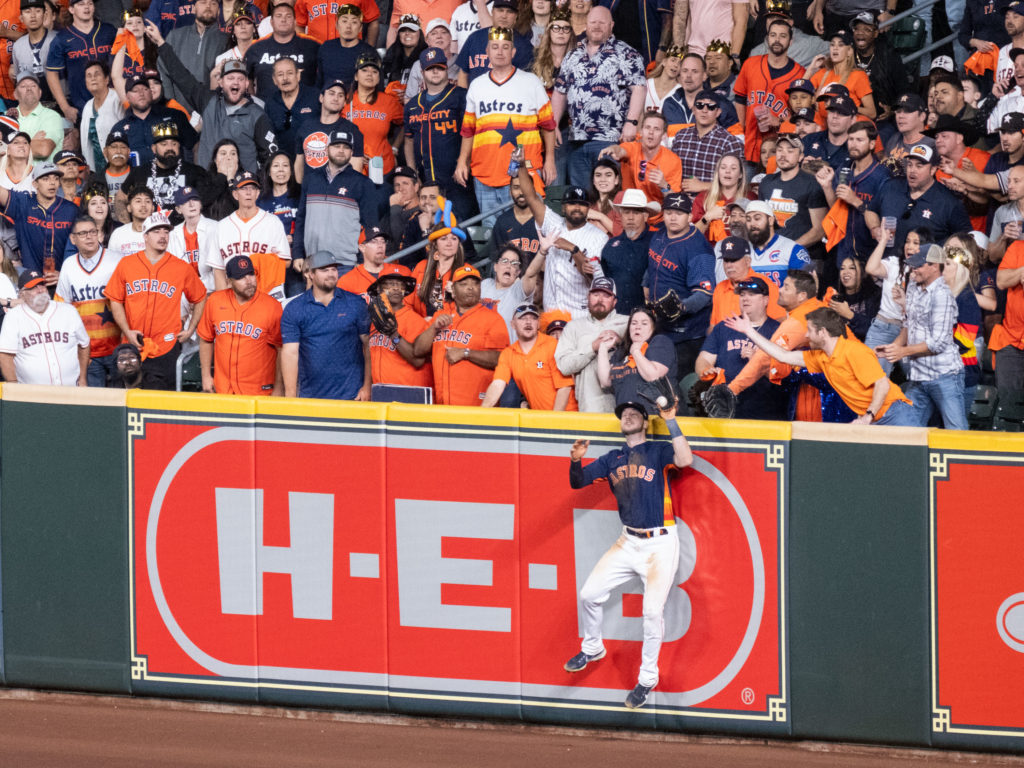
(435,130)
(465,382)
(387,366)
(501,114)
(83,289)
(756,86)
(151,295)
(320,17)
(245,338)
(639,479)
(535,373)
(374,121)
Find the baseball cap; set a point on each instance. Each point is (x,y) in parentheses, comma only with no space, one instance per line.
(27,74)
(1017,6)
(434,24)
(910,102)
(341,137)
(243,16)
(506,4)
(575,195)
(934,255)
(752,285)
(602,283)
(136,80)
(833,89)
(155,221)
(245,178)
(760,206)
(117,135)
(185,194)
(26,4)
(734,248)
(804,113)
(369,59)
(790,138)
(322,259)
(708,95)
(29,279)
(843,35)
(234,65)
(433,57)
(46,169)
(463,272)
(239,267)
(842,105)
(923,153)
(864,17)
(740,202)
(371,233)
(1012,122)
(635,198)
(407,172)
(945,63)
(630,404)
(526,309)
(328,84)
(408,21)
(393,271)
(677,201)
(803,85)
(67,154)
(554,320)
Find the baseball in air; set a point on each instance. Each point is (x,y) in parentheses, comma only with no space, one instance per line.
(662,402)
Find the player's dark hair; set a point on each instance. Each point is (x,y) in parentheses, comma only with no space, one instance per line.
(828,320)
(867,127)
(803,281)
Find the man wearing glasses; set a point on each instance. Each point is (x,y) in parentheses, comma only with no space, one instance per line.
(83,277)
(918,201)
(703,144)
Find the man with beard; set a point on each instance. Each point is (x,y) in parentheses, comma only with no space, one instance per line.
(795,196)
(830,144)
(911,118)
(311,137)
(42,222)
(516,226)
(576,353)
(43,341)
(721,78)
(197,45)
(166,173)
(567,273)
(239,336)
(849,226)
(391,357)
(760,90)
(888,76)
(143,118)
(147,292)
(774,255)
(127,368)
(128,238)
(680,259)
(282,41)
(326,335)
(624,257)
(918,201)
(228,112)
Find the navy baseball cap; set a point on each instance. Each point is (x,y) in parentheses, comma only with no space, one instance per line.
(803,85)
(734,248)
(341,137)
(575,195)
(804,113)
(621,407)
(374,232)
(245,178)
(117,135)
(1012,122)
(239,267)
(136,80)
(843,105)
(328,84)
(405,170)
(832,90)
(29,279)
(67,154)
(185,194)
(752,285)
(910,102)
(433,57)
(1017,6)
(605,284)
(677,201)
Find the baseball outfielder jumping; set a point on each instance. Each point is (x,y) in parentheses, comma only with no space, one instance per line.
(648,546)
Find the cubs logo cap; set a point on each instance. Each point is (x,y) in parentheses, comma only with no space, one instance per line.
(341,137)
(923,153)
(677,201)
(603,284)
(734,248)
(752,285)
(185,194)
(463,272)
(433,57)
(239,267)
(29,279)
(526,309)
(155,221)
(244,178)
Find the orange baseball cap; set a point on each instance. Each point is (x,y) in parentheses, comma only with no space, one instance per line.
(463,272)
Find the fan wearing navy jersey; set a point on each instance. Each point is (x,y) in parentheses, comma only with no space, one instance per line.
(680,259)
(648,547)
(473,60)
(73,47)
(516,226)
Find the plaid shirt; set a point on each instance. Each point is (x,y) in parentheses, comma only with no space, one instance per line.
(930,318)
(699,155)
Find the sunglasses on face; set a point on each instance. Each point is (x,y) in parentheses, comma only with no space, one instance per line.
(708,105)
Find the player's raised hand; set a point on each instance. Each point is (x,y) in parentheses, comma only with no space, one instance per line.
(579,449)
(669,411)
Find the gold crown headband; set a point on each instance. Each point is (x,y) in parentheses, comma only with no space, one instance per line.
(561,13)
(960,256)
(165,131)
(500,33)
(675,51)
(128,14)
(350,10)
(719,46)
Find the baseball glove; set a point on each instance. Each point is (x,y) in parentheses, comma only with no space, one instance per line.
(668,308)
(650,391)
(719,402)
(696,398)
(382,316)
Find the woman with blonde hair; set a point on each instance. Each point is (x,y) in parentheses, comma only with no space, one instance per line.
(840,66)
(664,79)
(710,208)
(961,275)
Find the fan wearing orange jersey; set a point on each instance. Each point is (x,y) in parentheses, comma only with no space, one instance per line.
(240,335)
(361,276)
(392,360)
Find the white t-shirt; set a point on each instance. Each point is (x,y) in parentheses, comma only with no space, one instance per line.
(124,241)
(45,347)
(465,21)
(503,300)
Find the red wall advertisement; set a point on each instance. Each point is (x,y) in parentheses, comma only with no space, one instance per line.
(978,595)
(442,564)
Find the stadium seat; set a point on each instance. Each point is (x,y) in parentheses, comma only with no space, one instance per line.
(685,385)
(983,409)
(1009,414)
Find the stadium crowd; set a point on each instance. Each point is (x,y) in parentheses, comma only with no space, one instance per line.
(756,200)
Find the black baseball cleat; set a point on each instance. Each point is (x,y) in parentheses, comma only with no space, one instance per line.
(578,662)
(638,696)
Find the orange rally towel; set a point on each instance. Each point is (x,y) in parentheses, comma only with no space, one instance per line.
(835,223)
(981,62)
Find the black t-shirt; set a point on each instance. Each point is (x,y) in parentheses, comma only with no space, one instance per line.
(792,200)
(167,181)
(260,58)
(508,231)
(625,377)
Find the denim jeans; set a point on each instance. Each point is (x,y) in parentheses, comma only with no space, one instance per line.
(583,159)
(100,370)
(946,394)
(899,414)
(488,198)
(882,332)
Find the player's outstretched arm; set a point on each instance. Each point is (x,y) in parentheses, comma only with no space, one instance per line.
(577,479)
(682,456)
